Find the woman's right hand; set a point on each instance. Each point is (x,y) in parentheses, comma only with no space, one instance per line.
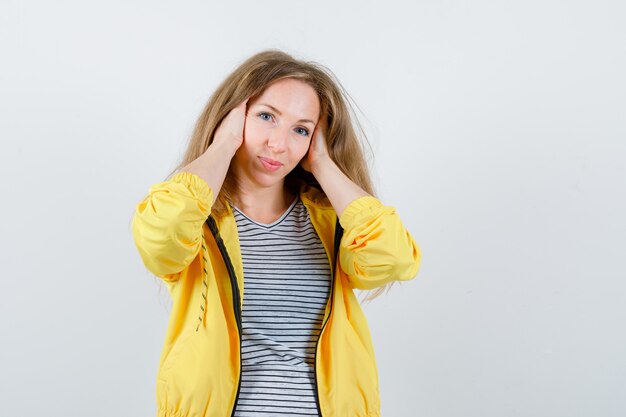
(213,164)
(231,128)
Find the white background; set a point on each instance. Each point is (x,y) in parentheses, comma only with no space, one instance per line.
(499,132)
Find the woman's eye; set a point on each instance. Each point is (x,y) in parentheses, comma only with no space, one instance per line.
(304,131)
(265,114)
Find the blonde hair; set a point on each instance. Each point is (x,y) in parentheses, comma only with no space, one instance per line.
(249,80)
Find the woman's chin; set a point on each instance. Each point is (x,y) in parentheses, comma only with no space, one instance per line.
(268,180)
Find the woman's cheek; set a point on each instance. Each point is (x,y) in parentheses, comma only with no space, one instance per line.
(307,146)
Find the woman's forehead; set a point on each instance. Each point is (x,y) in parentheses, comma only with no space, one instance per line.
(292,98)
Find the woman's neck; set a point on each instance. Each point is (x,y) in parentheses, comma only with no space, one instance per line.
(264,205)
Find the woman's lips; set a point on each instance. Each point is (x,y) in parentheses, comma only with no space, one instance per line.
(270,164)
(270,161)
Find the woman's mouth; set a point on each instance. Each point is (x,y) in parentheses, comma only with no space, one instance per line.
(270,164)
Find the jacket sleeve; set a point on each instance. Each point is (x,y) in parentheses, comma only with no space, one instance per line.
(376,248)
(167,224)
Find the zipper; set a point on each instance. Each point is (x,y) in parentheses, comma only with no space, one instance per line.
(338,234)
(236,295)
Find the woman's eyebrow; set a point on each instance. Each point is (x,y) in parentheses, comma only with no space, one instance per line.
(279,113)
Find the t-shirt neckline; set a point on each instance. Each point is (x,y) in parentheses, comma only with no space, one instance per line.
(275,222)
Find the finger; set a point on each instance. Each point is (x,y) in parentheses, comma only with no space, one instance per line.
(243,106)
(245,114)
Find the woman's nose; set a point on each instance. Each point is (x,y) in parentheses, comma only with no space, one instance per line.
(277,140)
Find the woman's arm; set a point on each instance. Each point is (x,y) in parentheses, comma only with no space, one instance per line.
(375,248)
(167,225)
(212,165)
(339,189)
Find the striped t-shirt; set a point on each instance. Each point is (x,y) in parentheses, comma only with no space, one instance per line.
(286,287)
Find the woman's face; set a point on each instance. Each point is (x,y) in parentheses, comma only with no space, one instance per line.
(278,130)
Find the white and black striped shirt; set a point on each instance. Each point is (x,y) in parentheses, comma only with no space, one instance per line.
(286,287)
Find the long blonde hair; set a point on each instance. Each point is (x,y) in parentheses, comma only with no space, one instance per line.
(249,80)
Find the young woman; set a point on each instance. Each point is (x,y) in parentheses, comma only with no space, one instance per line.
(261,235)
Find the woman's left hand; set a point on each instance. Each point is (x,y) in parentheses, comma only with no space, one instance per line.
(318,151)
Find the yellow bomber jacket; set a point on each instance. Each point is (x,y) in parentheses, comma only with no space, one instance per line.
(200,364)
